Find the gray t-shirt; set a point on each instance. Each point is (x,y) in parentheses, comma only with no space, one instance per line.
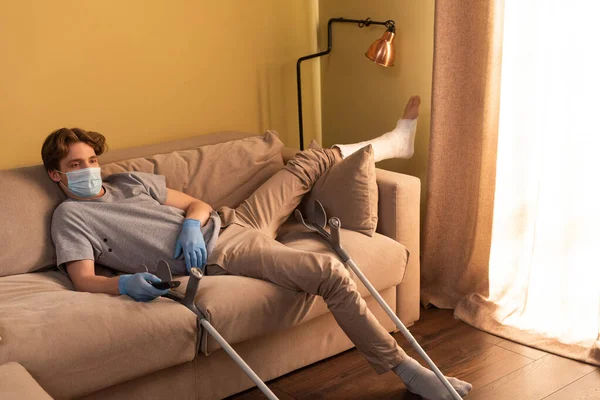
(126,227)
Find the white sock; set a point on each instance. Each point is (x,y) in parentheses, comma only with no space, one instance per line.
(419,380)
(399,143)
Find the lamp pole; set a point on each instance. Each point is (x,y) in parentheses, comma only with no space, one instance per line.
(390,25)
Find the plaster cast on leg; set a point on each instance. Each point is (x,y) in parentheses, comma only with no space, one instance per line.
(419,380)
(398,143)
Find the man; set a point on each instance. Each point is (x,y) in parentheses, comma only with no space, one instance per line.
(133,218)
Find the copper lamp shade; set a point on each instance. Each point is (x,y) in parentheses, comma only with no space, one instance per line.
(382,50)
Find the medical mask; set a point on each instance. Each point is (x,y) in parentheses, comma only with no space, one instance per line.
(85,182)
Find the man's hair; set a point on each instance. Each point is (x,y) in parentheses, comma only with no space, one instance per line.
(56,145)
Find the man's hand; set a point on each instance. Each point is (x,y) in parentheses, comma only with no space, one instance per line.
(191,244)
(137,287)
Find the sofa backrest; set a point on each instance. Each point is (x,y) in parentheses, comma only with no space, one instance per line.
(27,199)
(222,169)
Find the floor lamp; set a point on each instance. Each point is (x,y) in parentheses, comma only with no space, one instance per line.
(380,52)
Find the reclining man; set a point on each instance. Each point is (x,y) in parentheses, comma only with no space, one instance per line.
(133,218)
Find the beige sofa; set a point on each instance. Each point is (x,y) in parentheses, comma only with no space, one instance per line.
(96,346)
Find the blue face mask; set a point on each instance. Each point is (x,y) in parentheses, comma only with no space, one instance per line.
(85,182)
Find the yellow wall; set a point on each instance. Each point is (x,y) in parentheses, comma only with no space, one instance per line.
(145,71)
(360,99)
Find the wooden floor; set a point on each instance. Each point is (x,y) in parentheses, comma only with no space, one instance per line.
(497,368)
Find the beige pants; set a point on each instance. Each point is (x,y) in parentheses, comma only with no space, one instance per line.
(247,247)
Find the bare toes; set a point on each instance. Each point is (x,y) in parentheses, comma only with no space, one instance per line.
(411,111)
(409,104)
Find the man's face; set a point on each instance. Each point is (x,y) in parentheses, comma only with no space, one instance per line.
(81,155)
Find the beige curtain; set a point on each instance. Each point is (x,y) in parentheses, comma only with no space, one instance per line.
(462,158)
(544,273)
(528,269)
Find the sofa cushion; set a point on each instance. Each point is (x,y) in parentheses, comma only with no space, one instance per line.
(75,343)
(16,383)
(382,259)
(242,308)
(222,174)
(27,199)
(348,190)
(135,164)
(164,147)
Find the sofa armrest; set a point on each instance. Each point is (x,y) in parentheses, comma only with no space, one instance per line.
(399,219)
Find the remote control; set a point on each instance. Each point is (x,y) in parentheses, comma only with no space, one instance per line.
(165,285)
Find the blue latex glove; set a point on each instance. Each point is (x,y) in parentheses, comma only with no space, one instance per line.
(191,244)
(137,287)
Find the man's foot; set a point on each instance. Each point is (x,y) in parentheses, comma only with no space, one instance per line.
(419,380)
(411,111)
(398,143)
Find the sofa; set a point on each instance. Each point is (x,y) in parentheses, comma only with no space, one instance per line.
(96,346)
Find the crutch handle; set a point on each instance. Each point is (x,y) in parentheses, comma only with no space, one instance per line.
(192,286)
(190,291)
(336,224)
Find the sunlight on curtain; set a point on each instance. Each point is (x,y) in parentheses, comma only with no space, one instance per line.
(545,263)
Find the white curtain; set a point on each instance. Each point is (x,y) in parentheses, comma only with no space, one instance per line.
(544,272)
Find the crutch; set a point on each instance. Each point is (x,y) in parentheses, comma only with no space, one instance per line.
(318,223)
(164,273)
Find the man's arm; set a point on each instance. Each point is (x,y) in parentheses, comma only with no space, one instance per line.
(85,279)
(194,208)
(136,286)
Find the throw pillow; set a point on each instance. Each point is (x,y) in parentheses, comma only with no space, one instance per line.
(222,174)
(348,190)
